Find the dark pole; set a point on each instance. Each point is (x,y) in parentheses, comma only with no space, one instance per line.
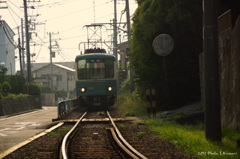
(20,55)
(20,52)
(132,87)
(27,43)
(211,71)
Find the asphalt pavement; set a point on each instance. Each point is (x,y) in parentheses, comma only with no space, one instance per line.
(19,128)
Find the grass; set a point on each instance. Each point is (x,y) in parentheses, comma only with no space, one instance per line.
(141,134)
(130,104)
(192,139)
(121,127)
(65,129)
(52,133)
(189,138)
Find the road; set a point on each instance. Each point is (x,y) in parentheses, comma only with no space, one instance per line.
(16,129)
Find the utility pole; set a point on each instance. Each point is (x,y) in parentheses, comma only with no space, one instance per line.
(27,43)
(23,56)
(50,49)
(20,52)
(50,46)
(115,41)
(211,71)
(129,43)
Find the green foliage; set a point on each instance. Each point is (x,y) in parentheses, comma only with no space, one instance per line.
(5,88)
(33,89)
(17,95)
(65,129)
(130,104)
(125,86)
(121,127)
(45,89)
(177,73)
(192,139)
(51,133)
(60,94)
(17,83)
(3,71)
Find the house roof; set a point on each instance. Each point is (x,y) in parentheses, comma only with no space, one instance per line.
(64,67)
(36,66)
(43,65)
(122,46)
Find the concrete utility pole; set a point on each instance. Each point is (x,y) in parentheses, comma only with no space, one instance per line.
(20,52)
(129,43)
(115,41)
(23,56)
(29,80)
(211,71)
(50,50)
(50,46)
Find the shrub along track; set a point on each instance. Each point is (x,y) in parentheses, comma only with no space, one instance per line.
(137,135)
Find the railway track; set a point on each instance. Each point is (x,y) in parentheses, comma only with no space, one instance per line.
(95,135)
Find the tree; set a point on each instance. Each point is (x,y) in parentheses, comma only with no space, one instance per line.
(178,73)
(5,88)
(17,83)
(3,71)
(33,89)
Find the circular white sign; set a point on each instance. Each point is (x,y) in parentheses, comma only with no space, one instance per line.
(163,44)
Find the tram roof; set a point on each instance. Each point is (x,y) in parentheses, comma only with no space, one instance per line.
(94,55)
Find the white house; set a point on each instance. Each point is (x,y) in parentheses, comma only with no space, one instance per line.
(7,47)
(57,76)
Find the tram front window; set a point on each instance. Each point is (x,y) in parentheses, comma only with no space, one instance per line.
(95,69)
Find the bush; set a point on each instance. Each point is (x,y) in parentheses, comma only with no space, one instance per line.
(60,94)
(5,87)
(45,89)
(17,83)
(131,104)
(3,71)
(33,89)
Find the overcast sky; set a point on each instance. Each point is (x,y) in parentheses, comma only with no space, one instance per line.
(65,19)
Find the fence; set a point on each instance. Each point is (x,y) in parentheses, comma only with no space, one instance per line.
(66,106)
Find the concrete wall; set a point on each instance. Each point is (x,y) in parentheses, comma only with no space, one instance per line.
(48,99)
(9,106)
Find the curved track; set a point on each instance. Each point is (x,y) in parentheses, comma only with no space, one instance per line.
(94,137)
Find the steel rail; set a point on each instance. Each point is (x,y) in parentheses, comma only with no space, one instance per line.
(123,147)
(125,143)
(65,139)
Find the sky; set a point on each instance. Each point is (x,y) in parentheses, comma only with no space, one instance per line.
(65,20)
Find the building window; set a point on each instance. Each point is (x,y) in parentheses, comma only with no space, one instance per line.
(59,77)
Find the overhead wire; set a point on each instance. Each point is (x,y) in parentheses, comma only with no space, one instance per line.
(38,53)
(17,7)
(81,10)
(56,3)
(13,16)
(61,2)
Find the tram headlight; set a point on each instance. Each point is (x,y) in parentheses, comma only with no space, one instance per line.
(82,89)
(110,89)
